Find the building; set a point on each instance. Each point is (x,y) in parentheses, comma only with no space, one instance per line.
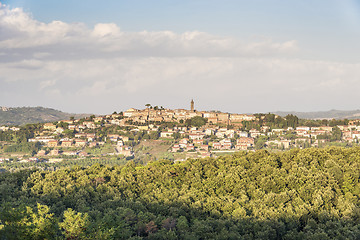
(53,143)
(67,143)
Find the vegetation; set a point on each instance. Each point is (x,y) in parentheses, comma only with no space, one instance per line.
(25,115)
(298,194)
(196,121)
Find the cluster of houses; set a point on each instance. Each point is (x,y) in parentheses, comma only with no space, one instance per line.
(60,146)
(215,136)
(180,115)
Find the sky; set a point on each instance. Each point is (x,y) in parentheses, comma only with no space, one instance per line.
(238,56)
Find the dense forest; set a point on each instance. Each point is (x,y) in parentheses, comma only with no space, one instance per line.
(298,194)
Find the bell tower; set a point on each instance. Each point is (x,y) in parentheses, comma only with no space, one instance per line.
(192,105)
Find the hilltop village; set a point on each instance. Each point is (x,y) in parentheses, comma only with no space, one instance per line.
(156,132)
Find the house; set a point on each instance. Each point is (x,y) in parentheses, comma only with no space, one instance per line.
(67,143)
(54,152)
(49,126)
(130,112)
(343,127)
(80,135)
(325,128)
(59,130)
(67,121)
(301,132)
(285,143)
(216,145)
(230,133)
(124,138)
(204,147)
(196,136)
(93,144)
(254,133)
(55,160)
(190,147)
(175,148)
(198,141)
(183,143)
(113,137)
(89,124)
(243,134)
(41,153)
(278,131)
(126,151)
(83,154)
(98,119)
(70,153)
(52,143)
(80,143)
(72,127)
(90,137)
(303,128)
(4,128)
(220,134)
(265,128)
(355,134)
(245,141)
(241,146)
(209,131)
(226,144)
(42,139)
(346,134)
(317,133)
(166,134)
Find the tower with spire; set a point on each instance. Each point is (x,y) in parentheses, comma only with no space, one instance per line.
(192,105)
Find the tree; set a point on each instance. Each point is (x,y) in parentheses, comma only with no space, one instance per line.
(75,224)
(260,142)
(196,121)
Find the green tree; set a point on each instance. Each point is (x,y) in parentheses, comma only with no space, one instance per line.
(75,224)
(196,121)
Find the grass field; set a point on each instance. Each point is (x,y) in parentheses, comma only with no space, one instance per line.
(156,148)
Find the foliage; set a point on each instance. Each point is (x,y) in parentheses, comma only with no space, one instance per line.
(196,121)
(298,194)
(25,147)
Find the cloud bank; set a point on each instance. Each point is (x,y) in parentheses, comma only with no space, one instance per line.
(75,68)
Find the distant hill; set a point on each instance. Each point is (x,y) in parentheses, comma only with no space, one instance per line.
(332,114)
(24,115)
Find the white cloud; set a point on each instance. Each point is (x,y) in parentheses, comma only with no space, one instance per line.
(20,31)
(77,69)
(103,30)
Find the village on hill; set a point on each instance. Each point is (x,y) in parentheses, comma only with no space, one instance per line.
(155,132)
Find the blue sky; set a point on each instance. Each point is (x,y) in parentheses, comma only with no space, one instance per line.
(267,50)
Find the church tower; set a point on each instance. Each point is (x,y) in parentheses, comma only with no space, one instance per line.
(192,105)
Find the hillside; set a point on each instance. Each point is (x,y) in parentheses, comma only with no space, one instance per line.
(24,115)
(331,114)
(299,194)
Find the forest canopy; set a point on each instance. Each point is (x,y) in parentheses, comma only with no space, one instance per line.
(298,194)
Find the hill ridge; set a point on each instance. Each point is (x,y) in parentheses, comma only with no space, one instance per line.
(25,115)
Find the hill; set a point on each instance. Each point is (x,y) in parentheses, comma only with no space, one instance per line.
(299,194)
(331,114)
(25,115)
